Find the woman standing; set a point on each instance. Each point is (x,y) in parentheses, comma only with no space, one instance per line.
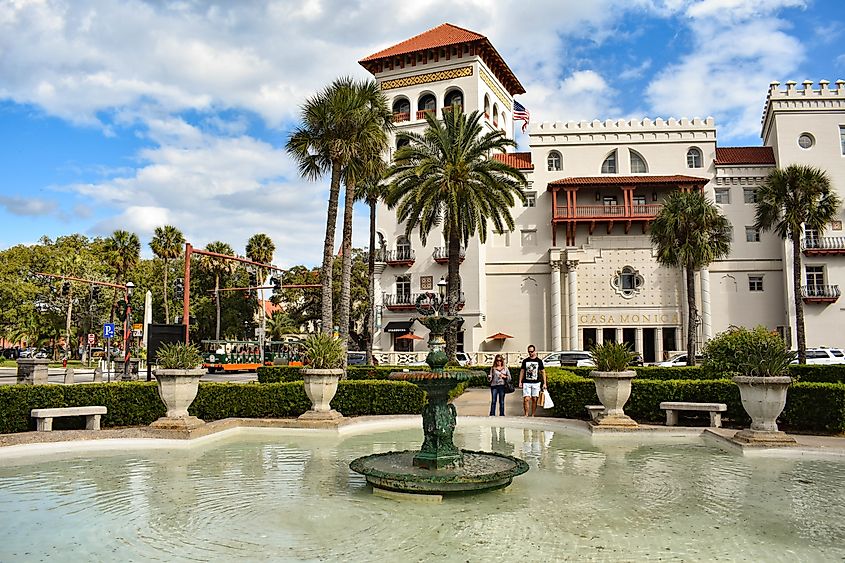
(497,377)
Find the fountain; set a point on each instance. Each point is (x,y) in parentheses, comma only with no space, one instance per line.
(439,466)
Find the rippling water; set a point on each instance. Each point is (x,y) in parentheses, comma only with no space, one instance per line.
(277,496)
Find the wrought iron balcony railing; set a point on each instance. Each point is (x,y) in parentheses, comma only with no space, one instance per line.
(441,254)
(408,301)
(399,257)
(820,293)
(823,245)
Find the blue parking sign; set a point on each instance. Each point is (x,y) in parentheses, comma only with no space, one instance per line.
(108,330)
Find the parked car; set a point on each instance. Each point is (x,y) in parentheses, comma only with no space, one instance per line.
(824,355)
(356,358)
(679,360)
(572,358)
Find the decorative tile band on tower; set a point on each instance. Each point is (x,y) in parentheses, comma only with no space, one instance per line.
(488,80)
(427,78)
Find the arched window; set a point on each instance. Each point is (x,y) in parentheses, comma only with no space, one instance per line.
(609,164)
(555,162)
(427,103)
(486,106)
(401,110)
(402,142)
(638,165)
(694,159)
(403,289)
(504,120)
(495,115)
(403,248)
(455,98)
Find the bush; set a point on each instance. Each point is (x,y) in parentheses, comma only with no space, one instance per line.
(651,372)
(729,353)
(613,356)
(818,373)
(277,374)
(178,356)
(138,403)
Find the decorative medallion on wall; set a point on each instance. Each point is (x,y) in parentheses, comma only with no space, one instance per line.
(627,282)
(426,283)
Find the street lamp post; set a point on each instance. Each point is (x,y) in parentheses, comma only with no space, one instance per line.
(127,333)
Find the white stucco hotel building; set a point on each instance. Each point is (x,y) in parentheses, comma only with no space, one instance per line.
(579,268)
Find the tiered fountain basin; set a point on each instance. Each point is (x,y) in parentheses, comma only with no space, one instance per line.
(438,467)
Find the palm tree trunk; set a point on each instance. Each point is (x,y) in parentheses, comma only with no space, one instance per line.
(371,274)
(454,289)
(166,307)
(800,336)
(692,314)
(346,273)
(68,320)
(217,305)
(328,250)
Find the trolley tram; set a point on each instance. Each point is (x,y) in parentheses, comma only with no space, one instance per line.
(245,355)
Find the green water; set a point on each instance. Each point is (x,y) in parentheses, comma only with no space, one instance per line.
(275,496)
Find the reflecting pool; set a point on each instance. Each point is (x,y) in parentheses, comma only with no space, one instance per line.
(277,495)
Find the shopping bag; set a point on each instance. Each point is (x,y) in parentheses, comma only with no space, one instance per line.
(546,399)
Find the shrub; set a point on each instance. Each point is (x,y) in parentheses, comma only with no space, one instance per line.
(178,356)
(738,350)
(818,373)
(321,350)
(612,356)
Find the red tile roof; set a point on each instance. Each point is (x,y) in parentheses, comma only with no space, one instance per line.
(627,180)
(745,155)
(519,160)
(447,35)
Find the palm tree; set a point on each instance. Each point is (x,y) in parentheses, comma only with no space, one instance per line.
(123,251)
(260,248)
(372,191)
(445,176)
(167,245)
(218,267)
(792,199)
(689,232)
(326,141)
(371,137)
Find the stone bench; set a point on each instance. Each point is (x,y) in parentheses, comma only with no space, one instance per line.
(594,411)
(715,410)
(44,417)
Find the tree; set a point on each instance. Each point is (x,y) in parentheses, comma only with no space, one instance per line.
(123,251)
(218,267)
(689,232)
(326,141)
(260,248)
(792,199)
(167,244)
(371,191)
(445,176)
(279,324)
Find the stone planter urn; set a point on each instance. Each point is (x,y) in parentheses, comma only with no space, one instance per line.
(614,390)
(763,398)
(321,386)
(178,389)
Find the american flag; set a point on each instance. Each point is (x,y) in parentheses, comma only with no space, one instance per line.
(521,114)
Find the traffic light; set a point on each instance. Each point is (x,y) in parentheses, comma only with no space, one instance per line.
(65,289)
(179,288)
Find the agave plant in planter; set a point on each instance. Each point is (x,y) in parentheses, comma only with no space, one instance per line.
(613,383)
(323,357)
(178,371)
(762,388)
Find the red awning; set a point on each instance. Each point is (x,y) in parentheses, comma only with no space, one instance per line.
(499,336)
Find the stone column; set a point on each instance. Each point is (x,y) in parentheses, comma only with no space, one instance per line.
(572,280)
(706,323)
(555,304)
(639,345)
(659,345)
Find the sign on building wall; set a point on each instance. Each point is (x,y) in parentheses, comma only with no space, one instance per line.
(628,318)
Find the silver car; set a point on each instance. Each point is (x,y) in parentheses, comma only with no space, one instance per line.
(571,358)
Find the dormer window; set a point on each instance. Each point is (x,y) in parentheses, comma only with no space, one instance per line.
(609,164)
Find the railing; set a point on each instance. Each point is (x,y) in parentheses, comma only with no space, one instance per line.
(820,293)
(823,245)
(421,113)
(398,117)
(441,254)
(409,300)
(636,211)
(402,256)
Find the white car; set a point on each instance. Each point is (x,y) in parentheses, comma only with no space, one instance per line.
(679,360)
(571,358)
(825,356)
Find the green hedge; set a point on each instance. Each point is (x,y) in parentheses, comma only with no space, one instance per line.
(276,374)
(808,373)
(817,373)
(811,407)
(138,404)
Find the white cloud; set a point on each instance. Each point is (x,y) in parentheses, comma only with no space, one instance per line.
(28,206)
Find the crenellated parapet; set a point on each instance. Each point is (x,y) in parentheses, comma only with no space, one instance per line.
(804,98)
(623,130)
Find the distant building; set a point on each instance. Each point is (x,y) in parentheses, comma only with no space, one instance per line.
(579,267)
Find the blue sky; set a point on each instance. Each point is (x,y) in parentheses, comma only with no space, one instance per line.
(135,114)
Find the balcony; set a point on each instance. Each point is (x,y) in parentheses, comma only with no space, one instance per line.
(820,293)
(408,301)
(441,254)
(638,211)
(820,246)
(399,117)
(400,257)
(421,113)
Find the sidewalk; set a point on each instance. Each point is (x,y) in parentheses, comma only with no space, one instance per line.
(476,402)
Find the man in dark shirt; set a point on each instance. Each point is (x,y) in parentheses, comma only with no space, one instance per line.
(532,380)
